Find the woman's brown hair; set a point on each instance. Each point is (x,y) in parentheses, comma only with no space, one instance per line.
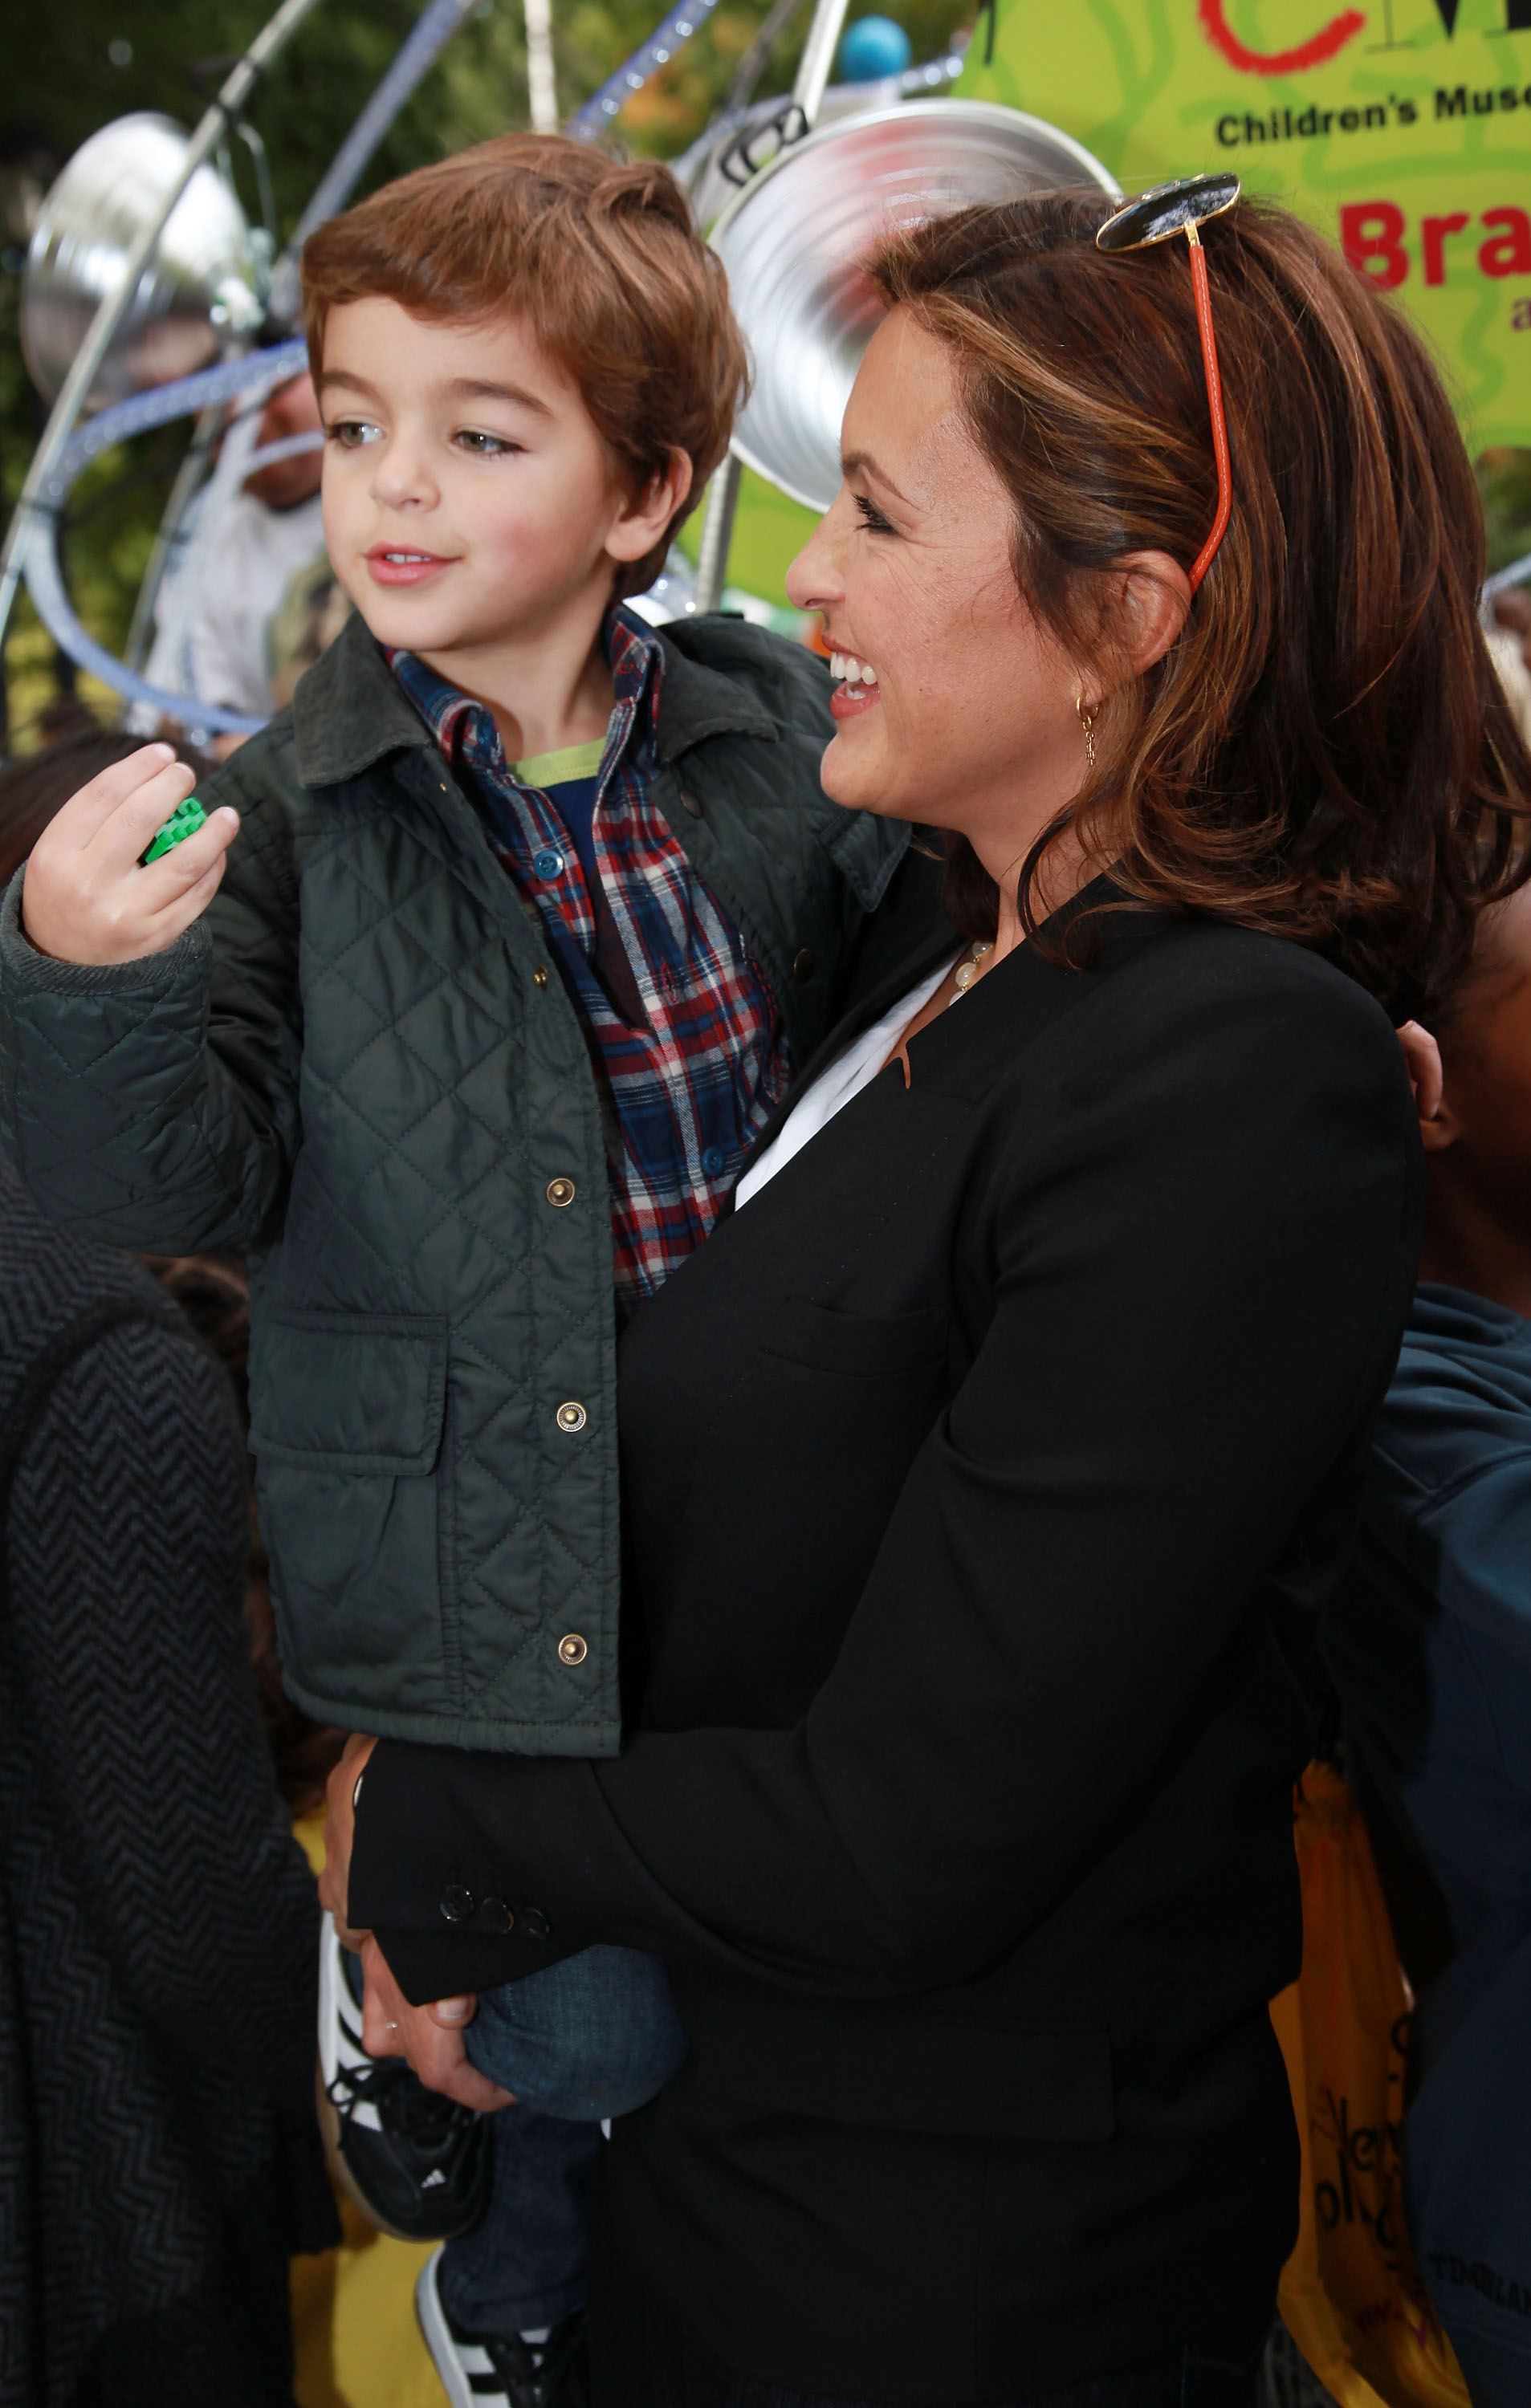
(1324,752)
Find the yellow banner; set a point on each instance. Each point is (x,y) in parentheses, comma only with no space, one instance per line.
(1403,128)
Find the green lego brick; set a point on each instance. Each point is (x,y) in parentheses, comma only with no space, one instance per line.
(184,822)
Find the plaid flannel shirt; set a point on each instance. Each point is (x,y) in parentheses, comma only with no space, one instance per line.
(683,1029)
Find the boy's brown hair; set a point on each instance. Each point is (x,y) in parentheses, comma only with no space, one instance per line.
(602,262)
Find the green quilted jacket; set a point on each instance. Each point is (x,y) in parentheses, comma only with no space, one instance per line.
(359,1066)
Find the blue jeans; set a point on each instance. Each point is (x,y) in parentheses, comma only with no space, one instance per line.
(592,2038)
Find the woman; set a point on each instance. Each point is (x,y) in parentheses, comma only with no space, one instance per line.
(986,1468)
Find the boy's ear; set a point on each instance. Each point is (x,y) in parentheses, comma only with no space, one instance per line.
(641,523)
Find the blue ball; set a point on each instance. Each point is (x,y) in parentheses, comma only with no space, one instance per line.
(872,47)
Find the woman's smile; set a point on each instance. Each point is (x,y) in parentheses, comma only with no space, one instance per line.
(857,690)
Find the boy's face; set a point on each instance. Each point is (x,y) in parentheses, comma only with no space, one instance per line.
(466,497)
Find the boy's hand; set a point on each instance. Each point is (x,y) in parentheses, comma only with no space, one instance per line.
(85,899)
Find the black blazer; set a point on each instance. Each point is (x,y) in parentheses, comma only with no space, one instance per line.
(983,1475)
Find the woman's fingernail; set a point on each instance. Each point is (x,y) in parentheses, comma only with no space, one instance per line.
(451,2011)
(225,812)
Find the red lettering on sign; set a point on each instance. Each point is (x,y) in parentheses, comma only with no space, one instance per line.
(1311,54)
(1433,234)
(1371,233)
(1509,253)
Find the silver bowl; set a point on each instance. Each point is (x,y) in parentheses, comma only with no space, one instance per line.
(794,239)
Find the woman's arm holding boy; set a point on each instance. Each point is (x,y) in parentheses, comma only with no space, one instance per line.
(148,1054)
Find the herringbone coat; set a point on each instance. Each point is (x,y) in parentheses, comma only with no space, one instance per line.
(157,1922)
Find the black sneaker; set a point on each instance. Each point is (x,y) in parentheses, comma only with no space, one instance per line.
(481,2370)
(417,2164)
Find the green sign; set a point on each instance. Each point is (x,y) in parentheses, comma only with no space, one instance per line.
(1403,128)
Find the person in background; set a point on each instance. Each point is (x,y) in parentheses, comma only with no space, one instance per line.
(159,2154)
(269,543)
(1428,1642)
(1508,636)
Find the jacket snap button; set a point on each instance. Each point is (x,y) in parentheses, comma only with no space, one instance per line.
(495,1915)
(571,1416)
(457,1903)
(560,1192)
(534,1923)
(538,975)
(803,966)
(572,1649)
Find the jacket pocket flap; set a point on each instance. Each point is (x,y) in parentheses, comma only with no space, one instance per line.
(362,1392)
(904,2069)
(859,1344)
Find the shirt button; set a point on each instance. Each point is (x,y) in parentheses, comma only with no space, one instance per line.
(534,1923)
(803,966)
(548,863)
(538,975)
(572,1649)
(495,1915)
(560,1192)
(572,1417)
(711,1162)
(457,1903)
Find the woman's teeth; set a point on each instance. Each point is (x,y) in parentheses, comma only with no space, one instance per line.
(856,674)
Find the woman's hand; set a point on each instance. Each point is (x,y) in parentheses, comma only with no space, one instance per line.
(85,898)
(430,2039)
(339,1832)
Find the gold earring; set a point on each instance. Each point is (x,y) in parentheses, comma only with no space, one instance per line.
(1087,720)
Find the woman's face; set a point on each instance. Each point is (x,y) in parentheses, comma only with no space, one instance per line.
(957,708)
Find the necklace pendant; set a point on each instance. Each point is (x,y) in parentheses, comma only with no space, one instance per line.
(965,972)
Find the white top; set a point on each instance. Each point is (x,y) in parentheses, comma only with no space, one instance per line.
(220,650)
(833,1088)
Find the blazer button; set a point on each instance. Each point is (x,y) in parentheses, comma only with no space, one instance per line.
(803,966)
(572,1417)
(572,1649)
(495,1915)
(538,975)
(534,1924)
(560,1192)
(457,1903)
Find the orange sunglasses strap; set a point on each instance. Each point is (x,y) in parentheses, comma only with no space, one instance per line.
(1214,402)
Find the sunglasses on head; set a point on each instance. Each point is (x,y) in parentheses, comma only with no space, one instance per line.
(1155,217)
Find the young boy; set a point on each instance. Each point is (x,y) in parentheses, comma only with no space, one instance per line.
(530,915)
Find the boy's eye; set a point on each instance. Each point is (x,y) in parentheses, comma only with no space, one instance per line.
(487,446)
(352,433)
(872,516)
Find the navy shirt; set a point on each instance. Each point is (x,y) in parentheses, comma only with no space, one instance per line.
(685,1032)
